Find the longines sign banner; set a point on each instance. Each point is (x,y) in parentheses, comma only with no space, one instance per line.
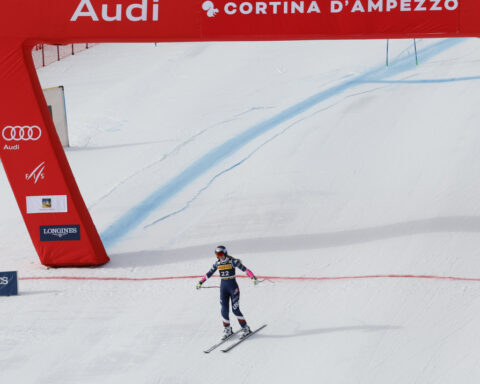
(52,207)
(8,283)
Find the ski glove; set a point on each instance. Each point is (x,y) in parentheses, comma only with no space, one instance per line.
(255,280)
(199,284)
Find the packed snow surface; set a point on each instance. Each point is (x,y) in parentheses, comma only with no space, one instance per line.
(307,160)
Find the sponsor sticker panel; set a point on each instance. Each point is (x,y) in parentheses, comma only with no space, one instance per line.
(60,233)
(47,204)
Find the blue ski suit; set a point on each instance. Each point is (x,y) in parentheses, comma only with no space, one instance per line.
(229,290)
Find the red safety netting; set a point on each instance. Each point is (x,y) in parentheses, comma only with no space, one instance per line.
(45,54)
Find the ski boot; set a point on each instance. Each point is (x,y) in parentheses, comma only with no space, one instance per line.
(227,332)
(245,332)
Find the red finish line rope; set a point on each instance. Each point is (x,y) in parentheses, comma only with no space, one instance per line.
(433,277)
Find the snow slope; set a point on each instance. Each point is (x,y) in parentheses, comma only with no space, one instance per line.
(307,160)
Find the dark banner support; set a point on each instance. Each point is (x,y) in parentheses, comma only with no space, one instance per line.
(8,284)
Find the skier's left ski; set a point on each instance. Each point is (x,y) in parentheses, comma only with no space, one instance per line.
(230,347)
(220,342)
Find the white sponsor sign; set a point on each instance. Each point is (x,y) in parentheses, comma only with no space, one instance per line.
(55,98)
(47,204)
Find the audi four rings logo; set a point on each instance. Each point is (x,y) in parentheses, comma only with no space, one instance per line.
(25,133)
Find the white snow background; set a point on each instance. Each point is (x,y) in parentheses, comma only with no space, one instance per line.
(305,159)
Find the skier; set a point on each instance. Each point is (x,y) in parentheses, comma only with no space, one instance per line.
(229,289)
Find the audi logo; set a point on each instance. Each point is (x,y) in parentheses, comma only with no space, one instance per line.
(25,133)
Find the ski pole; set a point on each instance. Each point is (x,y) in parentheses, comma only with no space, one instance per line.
(265,279)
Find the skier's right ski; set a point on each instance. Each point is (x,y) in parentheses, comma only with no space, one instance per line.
(221,342)
(243,339)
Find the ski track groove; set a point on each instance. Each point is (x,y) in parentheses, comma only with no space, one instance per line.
(136,214)
(251,154)
(221,173)
(175,150)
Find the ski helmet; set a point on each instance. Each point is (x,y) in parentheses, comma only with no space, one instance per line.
(220,251)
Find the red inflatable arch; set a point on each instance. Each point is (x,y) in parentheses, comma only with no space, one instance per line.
(52,207)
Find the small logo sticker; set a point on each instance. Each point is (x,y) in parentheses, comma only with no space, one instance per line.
(47,204)
(208,7)
(37,174)
(21,133)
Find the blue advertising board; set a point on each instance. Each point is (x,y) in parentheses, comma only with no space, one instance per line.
(8,283)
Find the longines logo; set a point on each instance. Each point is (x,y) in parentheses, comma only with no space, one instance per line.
(59,232)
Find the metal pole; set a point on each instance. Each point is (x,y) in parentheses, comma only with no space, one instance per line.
(415,47)
(387,53)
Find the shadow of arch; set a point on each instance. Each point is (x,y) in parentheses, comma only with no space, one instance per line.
(446,224)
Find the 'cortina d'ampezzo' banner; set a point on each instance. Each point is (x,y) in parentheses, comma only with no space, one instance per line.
(52,207)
